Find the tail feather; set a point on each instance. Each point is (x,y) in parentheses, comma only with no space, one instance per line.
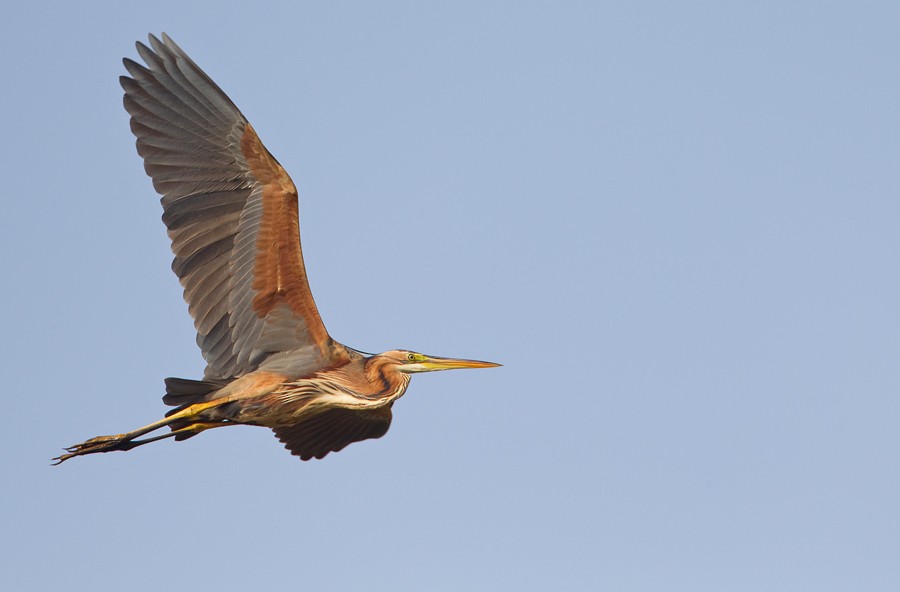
(183,391)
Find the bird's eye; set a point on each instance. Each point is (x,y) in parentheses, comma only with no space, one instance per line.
(410,357)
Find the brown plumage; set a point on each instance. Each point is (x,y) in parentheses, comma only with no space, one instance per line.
(231,213)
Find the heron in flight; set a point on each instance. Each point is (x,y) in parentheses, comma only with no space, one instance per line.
(231,213)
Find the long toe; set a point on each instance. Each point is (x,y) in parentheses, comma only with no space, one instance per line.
(98,444)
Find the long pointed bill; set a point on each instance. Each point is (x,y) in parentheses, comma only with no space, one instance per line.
(432,364)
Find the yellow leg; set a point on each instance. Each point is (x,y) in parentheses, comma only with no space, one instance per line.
(127,440)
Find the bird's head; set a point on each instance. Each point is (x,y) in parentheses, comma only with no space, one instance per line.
(411,362)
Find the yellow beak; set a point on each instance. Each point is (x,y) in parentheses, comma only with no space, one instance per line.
(432,364)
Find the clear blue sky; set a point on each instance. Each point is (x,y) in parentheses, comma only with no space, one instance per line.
(675,224)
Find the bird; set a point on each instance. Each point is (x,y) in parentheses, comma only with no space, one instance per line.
(231,212)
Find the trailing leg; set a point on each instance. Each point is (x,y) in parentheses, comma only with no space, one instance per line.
(189,420)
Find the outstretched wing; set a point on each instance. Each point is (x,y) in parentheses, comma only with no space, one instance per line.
(231,213)
(334,430)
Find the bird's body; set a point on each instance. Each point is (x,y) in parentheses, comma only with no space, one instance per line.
(351,401)
(231,212)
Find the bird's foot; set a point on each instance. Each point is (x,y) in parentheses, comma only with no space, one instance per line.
(98,444)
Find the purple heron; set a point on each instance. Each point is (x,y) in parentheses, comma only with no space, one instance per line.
(231,214)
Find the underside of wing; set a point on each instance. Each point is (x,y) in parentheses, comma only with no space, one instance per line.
(231,213)
(333,430)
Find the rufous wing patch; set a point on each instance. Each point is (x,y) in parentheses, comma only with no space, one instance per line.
(278,272)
